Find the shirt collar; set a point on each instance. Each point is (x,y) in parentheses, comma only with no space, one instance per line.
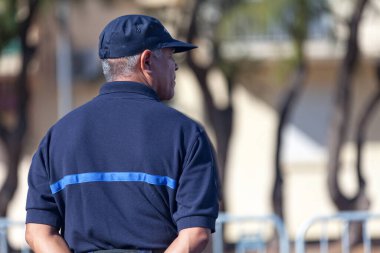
(128,87)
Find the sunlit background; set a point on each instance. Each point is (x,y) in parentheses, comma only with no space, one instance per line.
(299,64)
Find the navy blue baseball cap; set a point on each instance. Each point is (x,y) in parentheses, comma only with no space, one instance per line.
(132,34)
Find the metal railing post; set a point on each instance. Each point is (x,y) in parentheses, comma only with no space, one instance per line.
(3,236)
(346,238)
(366,239)
(217,245)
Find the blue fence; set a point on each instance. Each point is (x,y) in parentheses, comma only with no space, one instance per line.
(258,241)
(253,241)
(345,220)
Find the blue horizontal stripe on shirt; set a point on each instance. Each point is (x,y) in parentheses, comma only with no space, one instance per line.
(112,177)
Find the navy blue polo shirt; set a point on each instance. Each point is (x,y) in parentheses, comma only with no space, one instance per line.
(123,171)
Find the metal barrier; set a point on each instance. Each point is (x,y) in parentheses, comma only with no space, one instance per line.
(250,242)
(256,242)
(346,219)
(5,224)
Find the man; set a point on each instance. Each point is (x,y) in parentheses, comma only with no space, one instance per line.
(124,172)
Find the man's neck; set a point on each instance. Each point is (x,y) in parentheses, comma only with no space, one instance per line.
(135,78)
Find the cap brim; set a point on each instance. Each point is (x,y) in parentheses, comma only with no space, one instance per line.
(179,46)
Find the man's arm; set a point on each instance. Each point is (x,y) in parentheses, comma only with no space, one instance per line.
(190,240)
(45,239)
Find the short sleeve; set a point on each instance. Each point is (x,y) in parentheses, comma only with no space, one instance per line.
(197,192)
(40,204)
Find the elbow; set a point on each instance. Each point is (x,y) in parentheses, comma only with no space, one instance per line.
(203,238)
(196,238)
(29,236)
(37,233)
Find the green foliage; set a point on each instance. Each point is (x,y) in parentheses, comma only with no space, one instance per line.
(267,20)
(297,16)
(292,18)
(8,22)
(246,18)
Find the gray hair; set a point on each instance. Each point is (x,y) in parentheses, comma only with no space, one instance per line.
(122,67)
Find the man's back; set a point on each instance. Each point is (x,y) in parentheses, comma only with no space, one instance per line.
(125,171)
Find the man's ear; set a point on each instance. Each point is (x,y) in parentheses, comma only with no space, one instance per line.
(145,60)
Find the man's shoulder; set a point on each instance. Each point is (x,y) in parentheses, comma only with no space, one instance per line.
(74,117)
(155,112)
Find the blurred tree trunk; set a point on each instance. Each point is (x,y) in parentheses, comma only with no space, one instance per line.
(339,128)
(12,136)
(298,31)
(366,115)
(286,108)
(219,119)
(364,121)
(341,117)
